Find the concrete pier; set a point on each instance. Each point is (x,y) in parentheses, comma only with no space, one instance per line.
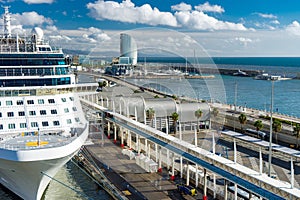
(126,175)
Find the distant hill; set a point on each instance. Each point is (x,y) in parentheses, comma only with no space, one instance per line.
(75,52)
(106,54)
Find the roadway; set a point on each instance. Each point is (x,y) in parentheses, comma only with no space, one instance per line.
(248,155)
(228,118)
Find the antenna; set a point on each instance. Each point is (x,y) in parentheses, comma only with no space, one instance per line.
(6,22)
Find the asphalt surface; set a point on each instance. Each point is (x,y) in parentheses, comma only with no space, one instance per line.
(126,175)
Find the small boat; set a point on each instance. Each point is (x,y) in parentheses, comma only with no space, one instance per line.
(264,76)
(240,73)
(268,77)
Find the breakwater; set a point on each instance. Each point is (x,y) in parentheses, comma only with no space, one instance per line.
(215,70)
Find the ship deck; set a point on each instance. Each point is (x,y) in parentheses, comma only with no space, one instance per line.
(30,142)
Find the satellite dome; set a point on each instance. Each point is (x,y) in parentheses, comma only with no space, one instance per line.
(38,32)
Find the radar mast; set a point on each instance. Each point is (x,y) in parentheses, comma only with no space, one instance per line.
(6,19)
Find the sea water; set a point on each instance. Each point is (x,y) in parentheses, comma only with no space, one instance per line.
(69,183)
(247,92)
(242,91)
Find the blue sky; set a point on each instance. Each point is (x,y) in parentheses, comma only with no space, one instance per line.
(220,27)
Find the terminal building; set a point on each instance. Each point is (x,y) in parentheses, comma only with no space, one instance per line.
(135,105)
(123,65)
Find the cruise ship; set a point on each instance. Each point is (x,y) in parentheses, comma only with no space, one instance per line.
(42,122)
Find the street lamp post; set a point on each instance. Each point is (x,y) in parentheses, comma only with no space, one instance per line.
(271,128)
(235,97)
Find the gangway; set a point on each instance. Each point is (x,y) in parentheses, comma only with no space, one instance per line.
(259,184)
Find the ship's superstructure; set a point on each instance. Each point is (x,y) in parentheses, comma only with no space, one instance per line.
(42,123)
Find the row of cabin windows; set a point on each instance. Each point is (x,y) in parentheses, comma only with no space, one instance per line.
(42,112)
(30,62)
(30,101)
(35,82)
(35,124)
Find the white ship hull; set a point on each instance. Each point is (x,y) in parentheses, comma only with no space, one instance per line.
(27,173)
(42,122)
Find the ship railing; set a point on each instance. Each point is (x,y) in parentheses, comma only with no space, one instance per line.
(51,90)
(36,72)
(55,139)
(9,45)
(16,146)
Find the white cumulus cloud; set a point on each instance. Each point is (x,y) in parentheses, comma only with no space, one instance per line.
(184,16)
(201,21)
(206,7)
(275,22)
(181,7)
(52,28)
(30,19)
(126,11)
(59,37)
(38,1)
(268,16)
(244,41)
(94,35)
(294,28)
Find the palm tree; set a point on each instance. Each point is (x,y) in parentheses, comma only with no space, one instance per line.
(242,120)
(175,117)
(102,84)
(198,115)
(150,115)
(215,111)
(297,133)
(258,125)
(277,126)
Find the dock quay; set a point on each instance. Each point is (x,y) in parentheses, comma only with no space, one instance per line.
(94,168)
(104,161)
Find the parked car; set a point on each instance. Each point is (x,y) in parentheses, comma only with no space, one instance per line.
(186,189)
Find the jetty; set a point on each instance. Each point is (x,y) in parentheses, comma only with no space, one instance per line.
(216,70)
(119,174)
(167,76)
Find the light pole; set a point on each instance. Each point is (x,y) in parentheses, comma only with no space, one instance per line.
(271,128)
(39,137)
(235,97)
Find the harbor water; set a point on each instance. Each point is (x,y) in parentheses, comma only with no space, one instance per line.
(244,91)
(70,183)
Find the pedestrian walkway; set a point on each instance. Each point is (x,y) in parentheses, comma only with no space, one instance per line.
(126,175)
(253,163)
